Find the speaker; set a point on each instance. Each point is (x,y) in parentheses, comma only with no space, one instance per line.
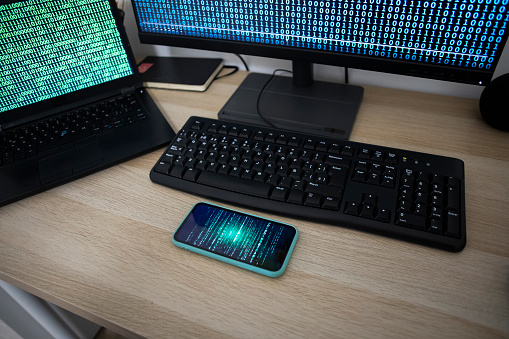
(494,103)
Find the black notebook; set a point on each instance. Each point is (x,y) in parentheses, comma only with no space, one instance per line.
(189,74)
(72,100)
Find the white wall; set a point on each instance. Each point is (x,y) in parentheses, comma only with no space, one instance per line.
(322,72)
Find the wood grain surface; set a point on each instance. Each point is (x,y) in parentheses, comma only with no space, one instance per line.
(101,246)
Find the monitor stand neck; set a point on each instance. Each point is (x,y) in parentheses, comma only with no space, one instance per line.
(302,74)
(297,104)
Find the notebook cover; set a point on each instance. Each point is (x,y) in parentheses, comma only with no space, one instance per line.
(192,74)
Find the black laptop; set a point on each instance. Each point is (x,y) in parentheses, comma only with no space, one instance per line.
(71,98)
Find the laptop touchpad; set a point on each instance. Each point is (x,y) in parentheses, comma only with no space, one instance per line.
(72,161)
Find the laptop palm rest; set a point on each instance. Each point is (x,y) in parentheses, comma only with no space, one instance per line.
(76,159)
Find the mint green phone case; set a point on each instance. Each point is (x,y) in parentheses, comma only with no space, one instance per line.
(233,261)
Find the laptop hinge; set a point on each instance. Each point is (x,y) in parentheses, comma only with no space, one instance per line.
(128,90)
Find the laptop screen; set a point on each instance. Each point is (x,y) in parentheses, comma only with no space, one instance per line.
(50,48)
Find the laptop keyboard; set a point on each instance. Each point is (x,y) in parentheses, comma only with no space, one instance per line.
(28,140)
(403,194)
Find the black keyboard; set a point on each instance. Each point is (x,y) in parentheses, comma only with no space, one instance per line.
(28,140)
(403,194)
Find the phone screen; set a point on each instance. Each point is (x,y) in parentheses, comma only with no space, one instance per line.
(252,240)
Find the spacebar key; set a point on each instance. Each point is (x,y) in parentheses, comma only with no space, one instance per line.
(234,184)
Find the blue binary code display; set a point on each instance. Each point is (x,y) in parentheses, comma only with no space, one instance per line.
(50,48)
(461,33)
(255,241)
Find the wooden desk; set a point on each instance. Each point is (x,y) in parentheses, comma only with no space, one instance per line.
(101,246)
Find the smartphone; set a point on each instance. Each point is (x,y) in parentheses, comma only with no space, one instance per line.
(251,242)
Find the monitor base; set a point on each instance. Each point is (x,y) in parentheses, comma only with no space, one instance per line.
(323,108)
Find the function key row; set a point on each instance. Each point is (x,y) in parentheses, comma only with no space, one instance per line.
(232,131)
(284,139)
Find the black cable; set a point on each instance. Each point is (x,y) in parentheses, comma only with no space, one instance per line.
(243,61)
(261,92)
(234,68)
(346,75)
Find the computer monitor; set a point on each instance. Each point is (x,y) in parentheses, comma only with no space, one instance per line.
(453,40)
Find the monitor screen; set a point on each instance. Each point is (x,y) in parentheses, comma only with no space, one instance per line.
(453,40)
(45,49)
(450,40)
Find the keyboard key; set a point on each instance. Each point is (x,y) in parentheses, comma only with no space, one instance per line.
(177,171)
(334,160)
(352,208)
(338,176)
(310,144)
(377,156)
(405,206)
(364,153)
(259,136)
(244,133)
(282,139)
(234,131)
(383,215)
(388,181)
(335,148)
(359,175)
(248,174)
(412,221)
(296,197)
(260,177)
(437,179)
(224,169)
(197,125)
(293,141)
(163,167)
(373,178)
(312,200)
(270,137)
(392,158)
(453,198)
(298,185)
(322,146)
(212,167)
(191,174)
(236,172)
(234,184)
(453,224)
(223,129)
(279,193)
(436,226)
(367,211)
(347,150)
(331,203)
